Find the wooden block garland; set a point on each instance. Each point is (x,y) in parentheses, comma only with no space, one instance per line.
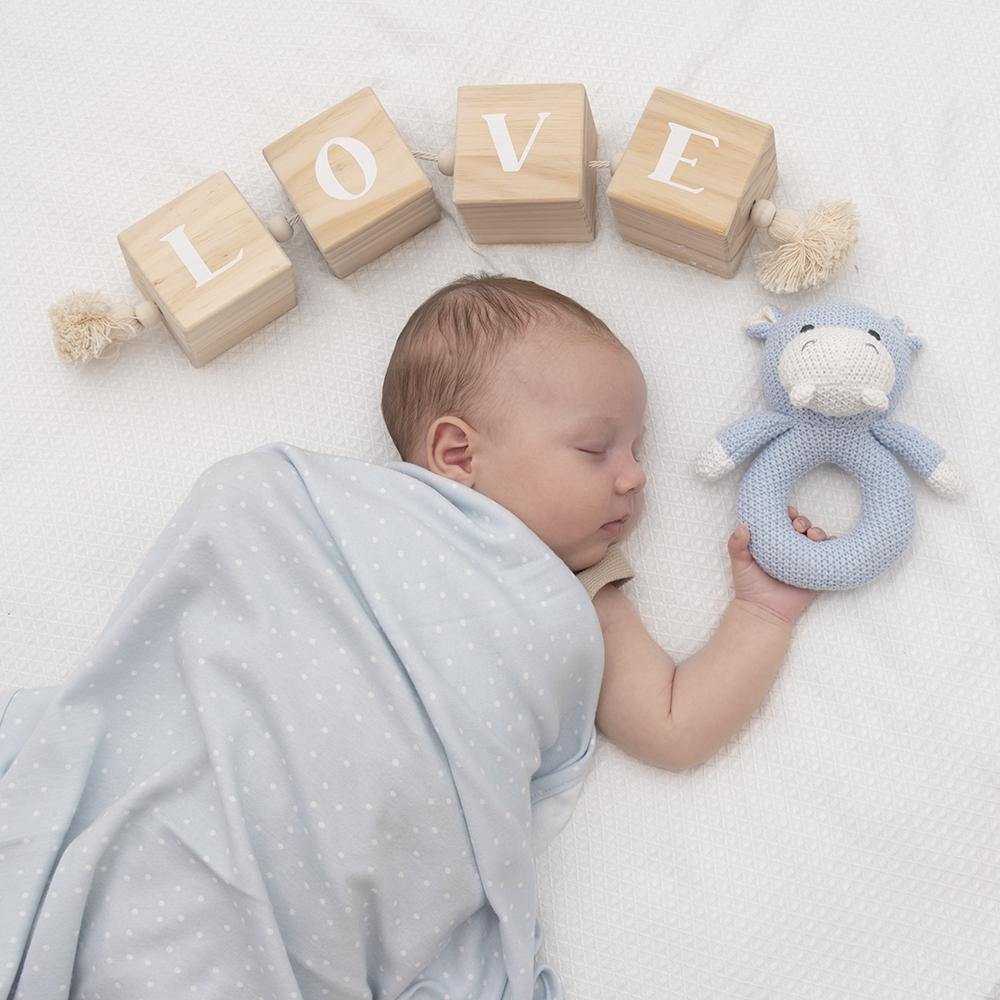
(210,265)
(694,183)
(522,156)
(687,181)
(356,186)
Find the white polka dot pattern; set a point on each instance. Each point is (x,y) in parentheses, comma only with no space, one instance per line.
(305,757)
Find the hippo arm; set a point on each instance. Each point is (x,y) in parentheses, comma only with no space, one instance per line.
(739,441)
(924,456)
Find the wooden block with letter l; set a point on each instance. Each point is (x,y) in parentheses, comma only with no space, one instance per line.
(522,155)
(356,186)
(211,266)
(688,179)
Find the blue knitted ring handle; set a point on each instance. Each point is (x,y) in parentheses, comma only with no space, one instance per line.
(880,537)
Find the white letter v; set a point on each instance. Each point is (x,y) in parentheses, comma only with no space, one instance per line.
(501,140)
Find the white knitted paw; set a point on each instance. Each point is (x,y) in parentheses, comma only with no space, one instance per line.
(946,480)
(713,461)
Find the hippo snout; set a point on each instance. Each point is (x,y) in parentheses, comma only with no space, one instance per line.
(838,371)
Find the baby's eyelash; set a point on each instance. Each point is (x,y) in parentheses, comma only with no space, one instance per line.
(635,454)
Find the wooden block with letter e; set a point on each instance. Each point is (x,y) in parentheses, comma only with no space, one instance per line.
(522,172)
(356,186)
(688,179)
(211,266)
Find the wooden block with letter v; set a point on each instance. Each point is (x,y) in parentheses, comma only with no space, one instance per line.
(522,163)
(356,186)
(688,179)
(211,266)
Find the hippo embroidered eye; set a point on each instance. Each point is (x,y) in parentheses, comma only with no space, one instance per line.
(808,326)
(874,334)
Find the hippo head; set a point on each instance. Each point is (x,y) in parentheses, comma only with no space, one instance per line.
(835,358)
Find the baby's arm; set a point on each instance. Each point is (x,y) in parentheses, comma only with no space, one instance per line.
(677,716)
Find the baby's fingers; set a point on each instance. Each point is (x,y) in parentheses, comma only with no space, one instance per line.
(800,523)
(739,544)
(805,527)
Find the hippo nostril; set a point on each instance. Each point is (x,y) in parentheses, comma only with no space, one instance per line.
(806,344)
(872,346)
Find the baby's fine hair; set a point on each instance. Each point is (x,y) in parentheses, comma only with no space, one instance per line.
(451,344)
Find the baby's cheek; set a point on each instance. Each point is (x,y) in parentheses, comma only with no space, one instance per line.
(640,506)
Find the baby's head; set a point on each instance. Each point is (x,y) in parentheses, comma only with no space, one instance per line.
(524,395)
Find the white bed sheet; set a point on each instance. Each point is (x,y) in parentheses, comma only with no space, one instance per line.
(844,844)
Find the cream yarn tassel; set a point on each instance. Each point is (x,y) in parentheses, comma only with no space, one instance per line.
(84,324)
(809,250)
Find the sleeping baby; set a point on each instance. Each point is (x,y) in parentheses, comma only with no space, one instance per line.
(341,706)
(522,394)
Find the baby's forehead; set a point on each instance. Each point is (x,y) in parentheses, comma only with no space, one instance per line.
(557,354)
(556,368)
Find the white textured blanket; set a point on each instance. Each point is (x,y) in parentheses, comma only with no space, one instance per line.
(844,844)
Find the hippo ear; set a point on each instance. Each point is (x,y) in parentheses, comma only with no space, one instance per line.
(762,322)
(913,342)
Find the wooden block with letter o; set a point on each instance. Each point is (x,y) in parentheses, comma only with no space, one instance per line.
(211,266)
(522,172)
(356,186)
(688,179)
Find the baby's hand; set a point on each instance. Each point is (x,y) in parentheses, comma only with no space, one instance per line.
(754,586)
(801,524)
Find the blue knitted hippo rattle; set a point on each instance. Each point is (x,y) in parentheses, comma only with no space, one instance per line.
(833,374)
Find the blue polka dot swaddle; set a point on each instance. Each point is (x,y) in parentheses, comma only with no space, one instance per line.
(313,752)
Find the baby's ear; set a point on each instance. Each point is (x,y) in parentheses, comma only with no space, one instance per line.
(763,321)
(913,342)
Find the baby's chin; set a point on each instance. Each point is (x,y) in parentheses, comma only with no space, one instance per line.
(589,555)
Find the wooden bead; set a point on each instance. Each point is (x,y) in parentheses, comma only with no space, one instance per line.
(762,213)
(786,226)
(280,228)
(782,224)
(148,314)
(446,161)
